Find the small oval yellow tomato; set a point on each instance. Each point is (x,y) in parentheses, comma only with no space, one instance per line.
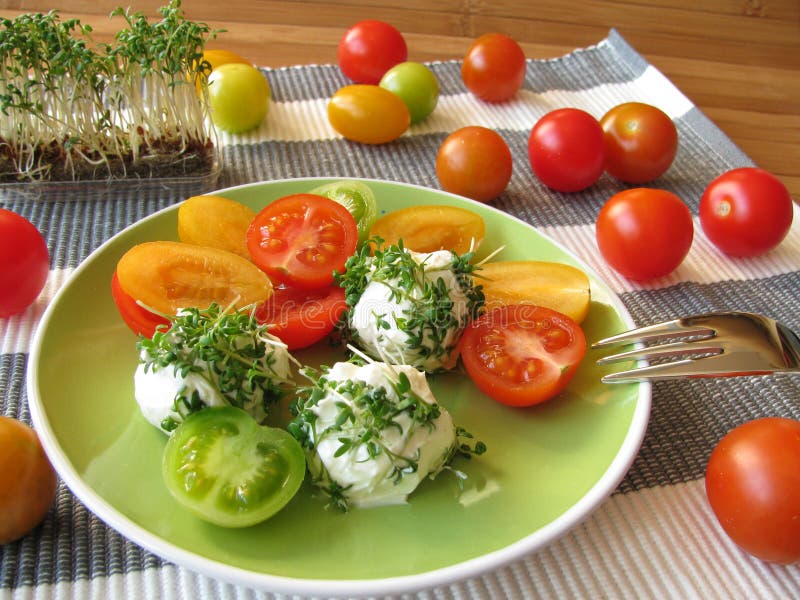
(215,221)
(368,114)
(431,228)
(556,286)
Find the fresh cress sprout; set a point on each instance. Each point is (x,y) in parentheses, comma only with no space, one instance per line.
(73,109)
(230,349)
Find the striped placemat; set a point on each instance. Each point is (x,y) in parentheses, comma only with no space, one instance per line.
(655,537)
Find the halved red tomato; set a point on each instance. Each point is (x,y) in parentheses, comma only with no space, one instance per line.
(301,318)
(301,239)
(140,320)
(522,355)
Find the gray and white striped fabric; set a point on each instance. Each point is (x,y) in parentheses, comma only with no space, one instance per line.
(655,537)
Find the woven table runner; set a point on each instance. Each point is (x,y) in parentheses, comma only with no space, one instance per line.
(655,537)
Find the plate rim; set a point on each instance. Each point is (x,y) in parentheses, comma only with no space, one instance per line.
(598,493)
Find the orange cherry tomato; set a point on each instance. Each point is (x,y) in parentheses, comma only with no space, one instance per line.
(368,114)
(474,162)
(168,276)
(27,480)
(431,228)
(215,221)
(494,67)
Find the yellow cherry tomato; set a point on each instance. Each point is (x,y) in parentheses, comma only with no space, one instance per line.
(556,286)
(368,114)
(215,221)
(216,58)
(431,228)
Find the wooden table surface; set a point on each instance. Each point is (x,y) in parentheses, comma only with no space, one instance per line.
(737,60)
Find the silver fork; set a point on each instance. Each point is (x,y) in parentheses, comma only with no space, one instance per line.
(723,344)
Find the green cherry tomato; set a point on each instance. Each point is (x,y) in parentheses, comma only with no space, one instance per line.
(357,198)
(238,96)
(416,85)
(368,114)
(228,470)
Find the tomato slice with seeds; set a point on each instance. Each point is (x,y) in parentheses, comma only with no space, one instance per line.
(301,239)
(301,318)
(521,355)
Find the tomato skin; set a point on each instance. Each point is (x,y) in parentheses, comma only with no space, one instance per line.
(644,233)
(416,85)
(641,142)
(566,149)
(228,470)
(494,67)
(301,318)
(370,48)
(474,162)
(521,355)
(27,480)
(753,487)
(368,114)
(746,211)
(24,263)
(140,320)
(301,239)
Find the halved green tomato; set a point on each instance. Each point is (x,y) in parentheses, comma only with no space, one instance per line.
(227,469)
(357,198)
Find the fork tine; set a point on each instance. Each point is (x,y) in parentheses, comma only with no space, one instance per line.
(676,327)
(663,350)
(672,370)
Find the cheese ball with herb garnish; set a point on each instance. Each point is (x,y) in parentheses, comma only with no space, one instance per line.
(210,357)
(373,433)
(407,307)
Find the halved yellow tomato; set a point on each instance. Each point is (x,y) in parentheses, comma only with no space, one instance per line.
(215,221)
(556,286)
(167,276)
(430,228)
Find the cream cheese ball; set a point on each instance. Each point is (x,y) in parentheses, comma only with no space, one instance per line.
(372,433)
(208,359)
(410,308)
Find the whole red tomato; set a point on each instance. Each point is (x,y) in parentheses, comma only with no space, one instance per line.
(494,67)
(474,162)
(566,149)
(644,233)
(746,211)
(753,486)
(24,263)
(370,48)
(641,142)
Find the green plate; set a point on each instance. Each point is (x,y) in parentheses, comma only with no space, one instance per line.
(545,470)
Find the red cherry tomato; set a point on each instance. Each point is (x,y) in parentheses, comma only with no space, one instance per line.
(494,67)
(301,239)
(140,320)
(644,233)
(746,211)
(370,48)
(24,263)
(566,149)
(641,142)
(753,486)
(522,355)
(301,318)
(474,162)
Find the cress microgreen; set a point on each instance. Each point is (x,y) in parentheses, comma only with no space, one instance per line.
(74,109)
(230,349)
